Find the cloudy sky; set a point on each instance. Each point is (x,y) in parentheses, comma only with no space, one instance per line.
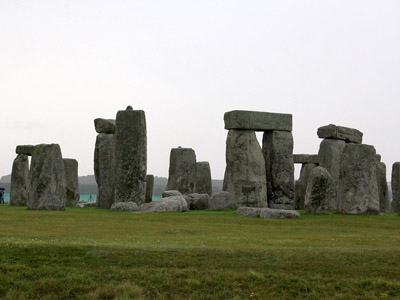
(185,63)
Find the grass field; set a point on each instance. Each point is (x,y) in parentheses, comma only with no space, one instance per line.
(98,254)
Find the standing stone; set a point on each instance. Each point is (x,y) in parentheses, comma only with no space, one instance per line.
(396,187)
(182,170)
(19,181)
(245,178)
(330,156)
(130,156)
(279,166)
(203,182)
(358,190)
(319,191)
(149,188)
(384,202)
(47,186)
(71,179)
(104,169)
(302,184)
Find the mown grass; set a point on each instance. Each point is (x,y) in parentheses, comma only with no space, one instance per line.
(98,254)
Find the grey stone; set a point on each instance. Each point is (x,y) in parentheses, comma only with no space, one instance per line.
(124,206)
(169,204)
(203,182)
(306,159)
(297,199)
(182,170)
(19,181)
(257,121)
(378,158)
(171,193)
(384,201)
(358,185)
(71,179)
(130,156)
(340,133)
(253,212)
(279,166)
(396,187)
(319,191)
(149,188)
(104,125)
(104,169)
(197,201)
(86,204)
(267,213)
(330,156)
(221,201)
(47,186)
(25,149)
(245,177)
(302,184)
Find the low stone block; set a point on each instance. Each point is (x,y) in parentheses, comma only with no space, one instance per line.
(25,149)
(340,133)
(306,159)
(124,206)
(197,201)
(169,204)
(104,125)
(267,213)
(171,193)
(221,201)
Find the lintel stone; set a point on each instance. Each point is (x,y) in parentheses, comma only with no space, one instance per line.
(306,159)
(331,131)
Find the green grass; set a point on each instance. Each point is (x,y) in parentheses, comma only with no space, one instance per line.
(98,254)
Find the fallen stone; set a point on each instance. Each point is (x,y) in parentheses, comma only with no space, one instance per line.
(71,180)
(104,125)
(171,193)
(149,188)
(203,182)
(383,190)
(396,187)
(170,204)
(340,133)
(182,170)
(245,177)
(86,204)
(197,201)
(25,149)
(257,121)
(319,191)
(306,159)
(303,183)
(19,181)
(253,212)
(221,201)
(124,206)
(267,213)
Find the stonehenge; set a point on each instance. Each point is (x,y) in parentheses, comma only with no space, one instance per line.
(203,181)
(182,170)
(319,191)
(71,180)
(149,188)
(19,181)
(383,190)
(396,187)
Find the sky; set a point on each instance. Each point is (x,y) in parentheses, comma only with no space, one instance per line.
(186,63)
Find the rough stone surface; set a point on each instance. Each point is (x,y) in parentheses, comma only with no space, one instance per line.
(306,159)
(267,213)
(104,125)
(245,177)
(297,198)
(378,158)
(130,156)
(47,186)
(203,182)
(149,188)
(330,156)
(25,149)
(182,170)
(197,201)
(302,184)
(124,206)
(71,179)
(319,191)
(396,187)
(171,193)
(384,201)
(86,204)
(358,185)
(279,166)
(340,133)
(169,204)
(19,181)
(221,201)
(104,169)
(258,121)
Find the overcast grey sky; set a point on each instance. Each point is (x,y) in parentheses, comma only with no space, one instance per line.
(185,63)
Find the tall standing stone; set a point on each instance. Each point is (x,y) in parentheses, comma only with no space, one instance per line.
(203,181)
(302,184)
(396,187)
(245,177)
(149,188)
(358,190)
(104,169)
(279,166)
(130,156)
(19,181)
(71,179)
(384,202)
(330,156)
(47,186)
(319,191)
(182,170)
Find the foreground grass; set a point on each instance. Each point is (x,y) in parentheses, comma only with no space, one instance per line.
(98,254)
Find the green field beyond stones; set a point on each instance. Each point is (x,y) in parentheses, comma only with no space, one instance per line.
(99,254)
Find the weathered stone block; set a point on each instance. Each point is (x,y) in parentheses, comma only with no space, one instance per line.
(171,193)
(25,149)
(267,213)
(71,179)
(19,181)
(203,182)
(396,187)
(221,201)
(302,184)
(149,188)
(124,206)
(104,125)
(197,201)
(340,133)
(182,170)
(319,191)
(306,159)
(170,204)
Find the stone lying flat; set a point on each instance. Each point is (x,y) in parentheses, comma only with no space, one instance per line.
(25,149)
(340,133)
(87,204)
(169,204)
(197,201)
(171,193)
(267,213)
(104,125)
(124,206)
(221,201)
(258,121)
(306,159)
